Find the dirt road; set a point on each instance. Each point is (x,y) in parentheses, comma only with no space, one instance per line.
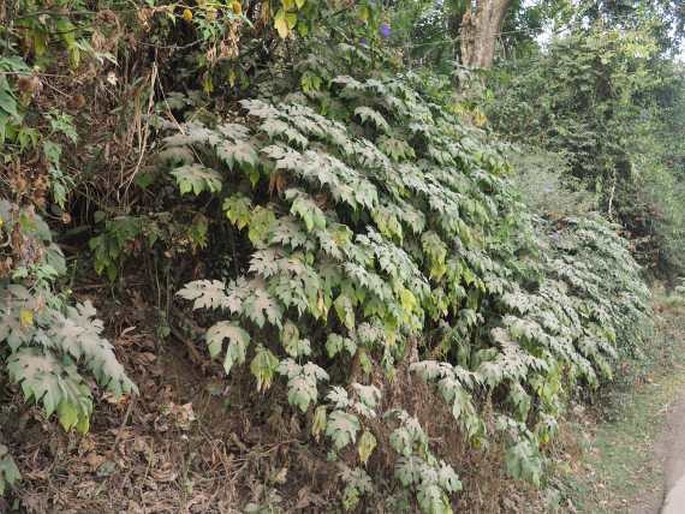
(671,451)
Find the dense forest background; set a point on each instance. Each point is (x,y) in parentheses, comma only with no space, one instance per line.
(346,255)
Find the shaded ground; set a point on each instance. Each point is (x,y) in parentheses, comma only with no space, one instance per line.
(183,446)
(139,456)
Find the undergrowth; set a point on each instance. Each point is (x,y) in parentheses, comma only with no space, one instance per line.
(605,477)
(52,347)
(350,239)
(385,234)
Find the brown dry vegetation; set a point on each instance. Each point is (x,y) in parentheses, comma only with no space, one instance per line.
(192,442)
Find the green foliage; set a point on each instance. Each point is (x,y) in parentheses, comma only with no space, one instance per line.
(357,484)
(123,238)
(547,186)
(33,40)
(50,348)
(342,428)
(196,179)
(9,473)
(359,246)
(238,341)
(373,237)
(418,469)
(264,366)
(110,246)
(53,350)
(609,102)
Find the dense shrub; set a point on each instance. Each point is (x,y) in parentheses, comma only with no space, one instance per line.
(611,103)
(362,244)
(384,235)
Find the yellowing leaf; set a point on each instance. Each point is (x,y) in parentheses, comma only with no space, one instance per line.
(280,24)
(344,308)
(67,415)
(263,367)
(319,421)
(367,443)
(83,425)
(26,317)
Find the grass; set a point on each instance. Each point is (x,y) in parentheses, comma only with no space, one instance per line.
(616,469)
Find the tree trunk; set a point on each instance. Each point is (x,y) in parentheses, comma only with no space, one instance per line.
(479,31)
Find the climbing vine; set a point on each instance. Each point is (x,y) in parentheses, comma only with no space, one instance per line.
(360,236)
(388,233)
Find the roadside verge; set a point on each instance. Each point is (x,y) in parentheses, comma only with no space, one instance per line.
(626,453)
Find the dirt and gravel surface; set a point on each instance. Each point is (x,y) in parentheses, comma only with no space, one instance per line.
(671,452)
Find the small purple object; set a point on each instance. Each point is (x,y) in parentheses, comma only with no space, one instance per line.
(384,29)
(364,42)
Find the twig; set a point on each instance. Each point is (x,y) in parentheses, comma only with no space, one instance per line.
(87,287)
(146,130)
(192,349)
(123,423)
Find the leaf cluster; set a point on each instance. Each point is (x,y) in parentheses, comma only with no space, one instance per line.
(51,349)
(386,227)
